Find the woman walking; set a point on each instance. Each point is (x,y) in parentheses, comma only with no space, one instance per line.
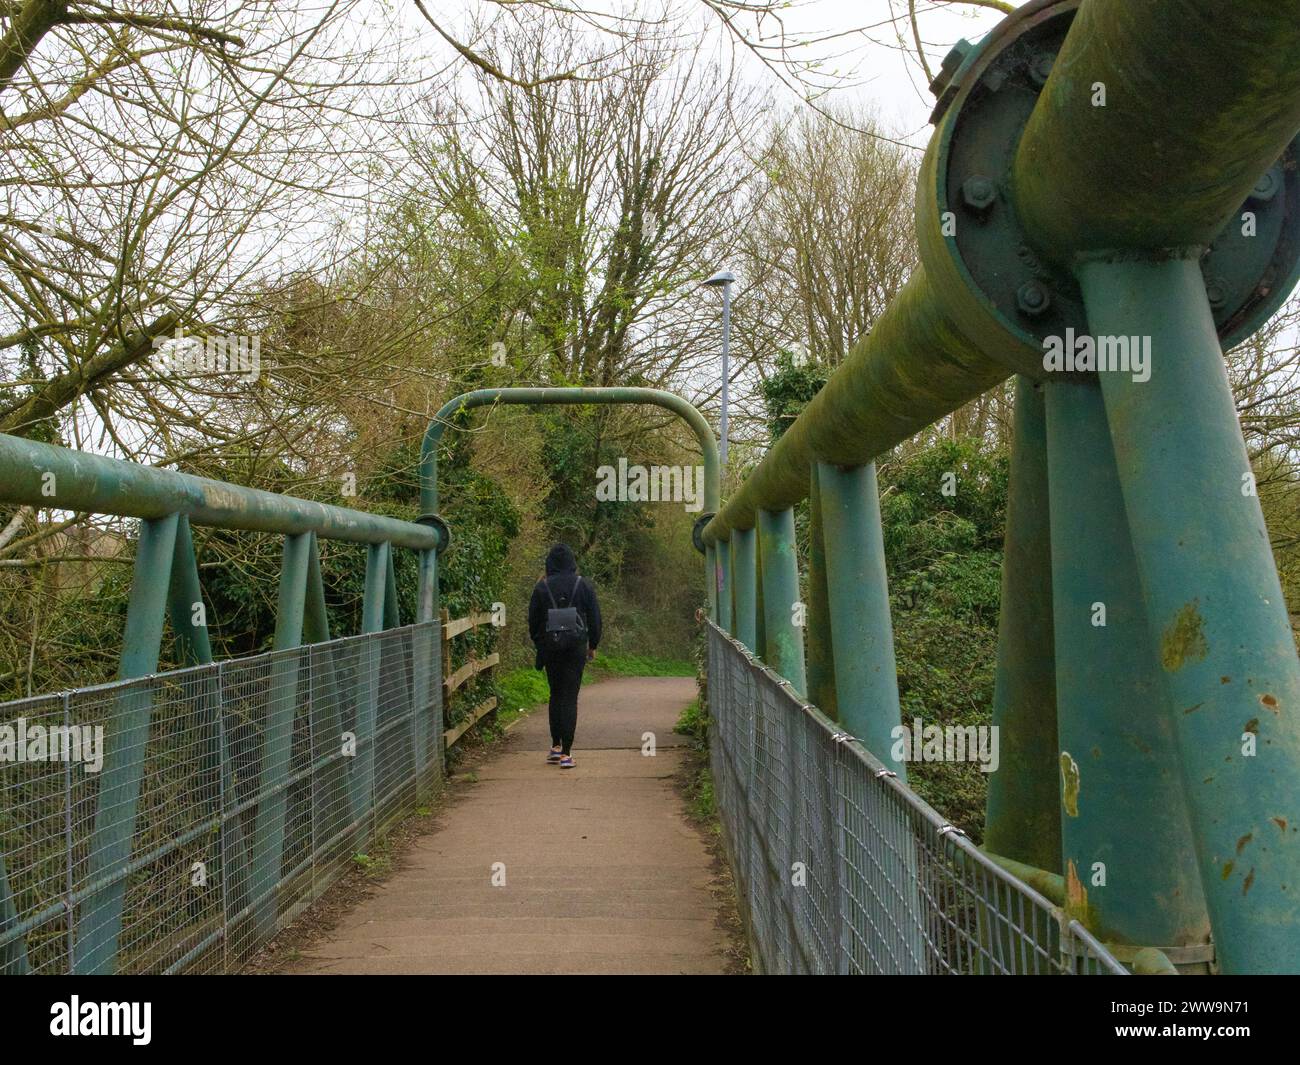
(564,622)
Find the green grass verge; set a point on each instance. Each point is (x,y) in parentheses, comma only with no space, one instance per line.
(694,722)
(628,665)
(524,688)
(520,689)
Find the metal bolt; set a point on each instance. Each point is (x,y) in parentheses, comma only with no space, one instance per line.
(1216,289)
(1268,186)
(1033,299)
(979,192)
(1041,68)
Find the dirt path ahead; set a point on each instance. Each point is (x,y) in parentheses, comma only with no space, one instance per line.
(603,873)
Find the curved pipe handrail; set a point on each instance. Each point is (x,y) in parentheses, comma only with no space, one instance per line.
(488,396)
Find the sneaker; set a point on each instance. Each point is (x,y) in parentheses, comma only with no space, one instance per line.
(566,762)
(553,757)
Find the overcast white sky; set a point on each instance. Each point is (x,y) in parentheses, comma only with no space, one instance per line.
(865,50)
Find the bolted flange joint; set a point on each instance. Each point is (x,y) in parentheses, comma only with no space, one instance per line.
(1013,299)
(697,531)
(436,522)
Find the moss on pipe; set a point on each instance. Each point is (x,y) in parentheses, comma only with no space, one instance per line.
(1201,97)
(914,367)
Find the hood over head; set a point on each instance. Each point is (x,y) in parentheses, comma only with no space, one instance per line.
(560,559)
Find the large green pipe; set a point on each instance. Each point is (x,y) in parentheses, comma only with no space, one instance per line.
(913,367)
(488,396)
(47,476)
(1162,164)
(1201,97)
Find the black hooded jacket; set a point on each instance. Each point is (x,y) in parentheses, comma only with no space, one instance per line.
(568,590)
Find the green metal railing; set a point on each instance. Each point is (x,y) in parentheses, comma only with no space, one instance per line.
(165,586)
(1097,170)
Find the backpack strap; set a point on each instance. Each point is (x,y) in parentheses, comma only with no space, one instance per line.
(573,596)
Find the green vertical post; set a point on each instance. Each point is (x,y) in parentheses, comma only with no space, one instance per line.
(744,570)
(711,581)
(184,596)
(277,738)
(817,629)
(372,620)
(190,629)
(1130,868)
(13,955)
(722,553)
(760,616)
(428,667)
(1215,607)
(393,620)
(100,920)
(781,596)
(329,799)
(392,617)
(1022,816)
(866,675)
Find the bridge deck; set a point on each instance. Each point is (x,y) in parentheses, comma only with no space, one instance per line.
(604,873)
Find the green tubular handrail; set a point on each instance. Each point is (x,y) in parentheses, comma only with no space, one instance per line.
(165,584)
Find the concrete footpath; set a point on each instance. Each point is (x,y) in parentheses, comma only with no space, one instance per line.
(602,872)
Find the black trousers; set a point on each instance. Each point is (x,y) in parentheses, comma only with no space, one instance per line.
(564,675)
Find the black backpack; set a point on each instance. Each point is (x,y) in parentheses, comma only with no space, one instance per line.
(566,629)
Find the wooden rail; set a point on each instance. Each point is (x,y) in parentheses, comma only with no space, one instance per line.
(451,628)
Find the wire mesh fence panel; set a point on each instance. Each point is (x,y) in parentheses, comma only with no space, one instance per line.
(175,822)
(842,869)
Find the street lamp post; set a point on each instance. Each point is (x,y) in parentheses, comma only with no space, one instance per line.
(723,279)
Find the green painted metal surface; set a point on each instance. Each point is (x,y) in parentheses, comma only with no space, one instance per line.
(760,614)
(782,607)
(913,367)
(13,954)
(1022,815)
(1201,97)
(744,569)
(711,580)
(125,741)
(1127,855)
(722,558)
(372,620)
(861,632)
(93,483)
(277,733)
(1218,619)
(575,396)
(817,631)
